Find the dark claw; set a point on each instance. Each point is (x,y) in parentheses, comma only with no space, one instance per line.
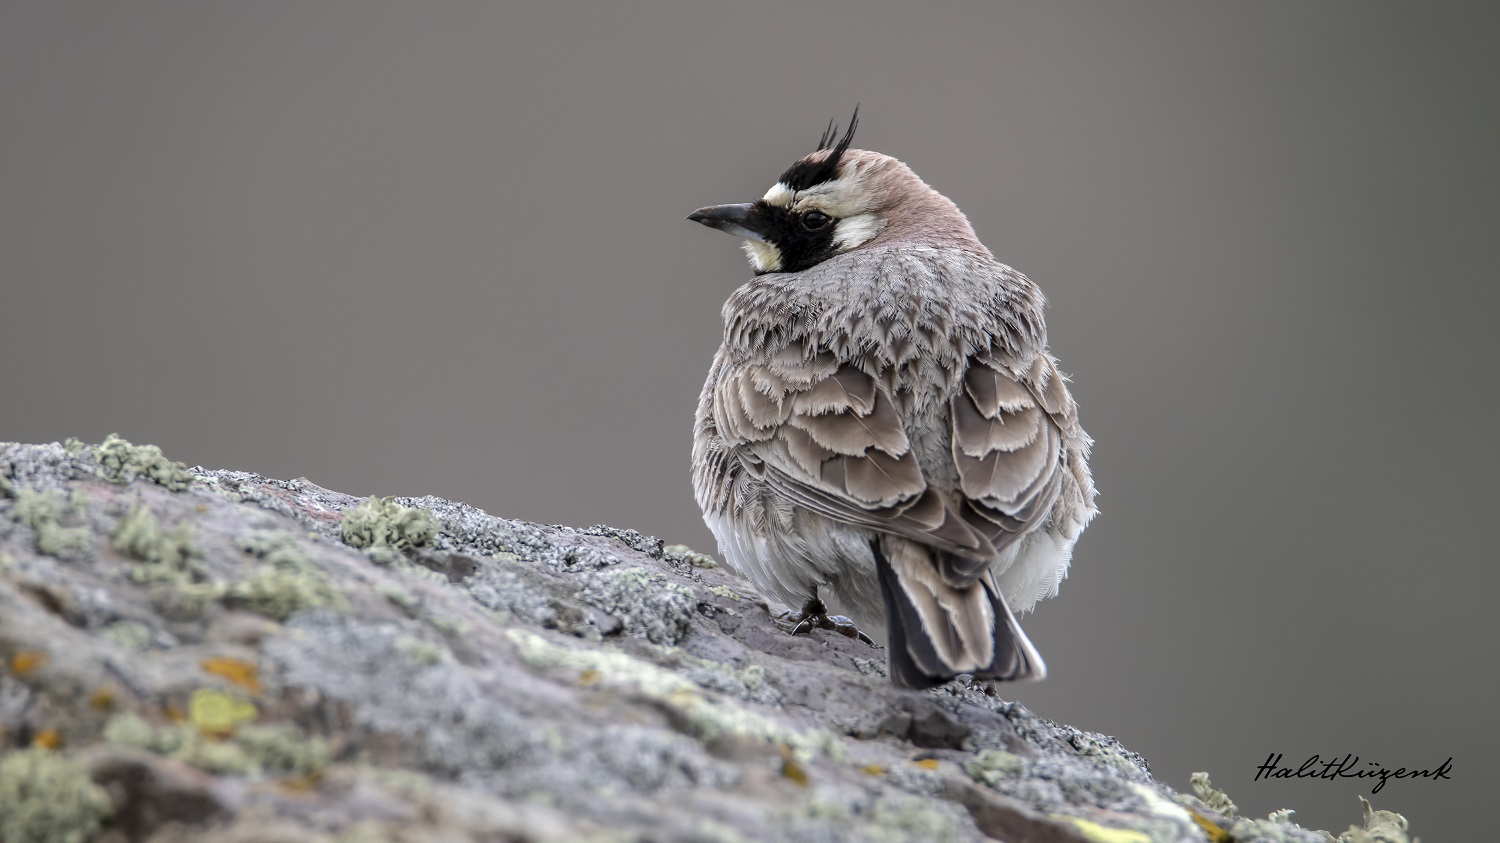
(814,615)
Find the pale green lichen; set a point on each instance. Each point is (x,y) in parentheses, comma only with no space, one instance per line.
(381,524)
(45,798)
(278,592)
(129,729)
(399,597)
(902,817)
(279,549)
(121,462)
(725,592)
(289,581)
(170,559)
(139,536)
(41,513)
(706,717)
(247,750)
(132,635)
(992,765)
(1379,827)
(1214,798)
(690,556)
(421,653)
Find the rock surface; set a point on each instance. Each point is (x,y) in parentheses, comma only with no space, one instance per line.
(189,654)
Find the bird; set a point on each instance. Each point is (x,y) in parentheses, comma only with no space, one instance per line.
(884,425)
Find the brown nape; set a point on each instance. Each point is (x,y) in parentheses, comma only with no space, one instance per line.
(914,213)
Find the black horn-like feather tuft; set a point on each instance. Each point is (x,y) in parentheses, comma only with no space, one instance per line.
(805,173)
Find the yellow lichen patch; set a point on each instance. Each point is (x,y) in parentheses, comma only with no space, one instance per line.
(48,739)
(103,698)
(304,783)
(1103,833)
(928,763)
(872,770)
(1211,828)
(215,712)
(791,769)
(241,673)
(26,662)
(589,677)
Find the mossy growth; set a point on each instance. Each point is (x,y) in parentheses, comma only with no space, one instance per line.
(43,513)
(386,529)
(121,462)
(288,582)
(45,798)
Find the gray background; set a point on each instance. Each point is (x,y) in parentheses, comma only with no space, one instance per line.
(440,248)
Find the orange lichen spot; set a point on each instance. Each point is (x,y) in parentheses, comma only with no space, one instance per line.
(48,738)
(872,770)
(103,698)
(928,763)
(26,662)
(588,677)
(174,714)
(241,673)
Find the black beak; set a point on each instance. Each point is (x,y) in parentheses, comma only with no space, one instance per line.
(740,220)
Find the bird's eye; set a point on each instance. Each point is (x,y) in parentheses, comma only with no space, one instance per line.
(814,220)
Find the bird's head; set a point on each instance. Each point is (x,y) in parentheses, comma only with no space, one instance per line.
(836,200)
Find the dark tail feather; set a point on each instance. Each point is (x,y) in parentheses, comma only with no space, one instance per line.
(914,660)
(1016,659)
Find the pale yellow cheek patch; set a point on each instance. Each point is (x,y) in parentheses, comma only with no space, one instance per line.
(763,256)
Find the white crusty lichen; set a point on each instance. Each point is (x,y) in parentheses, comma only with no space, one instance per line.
(709,717)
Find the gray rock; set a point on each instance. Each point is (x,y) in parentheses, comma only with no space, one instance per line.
(189,654)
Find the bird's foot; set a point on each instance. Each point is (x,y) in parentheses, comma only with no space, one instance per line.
(814,615)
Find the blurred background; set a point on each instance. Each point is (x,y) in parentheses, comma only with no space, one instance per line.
(439,249)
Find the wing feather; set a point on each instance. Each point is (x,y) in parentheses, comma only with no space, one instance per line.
(828,437)
(1008,445)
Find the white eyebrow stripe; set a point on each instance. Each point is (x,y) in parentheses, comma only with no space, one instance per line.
(779,194)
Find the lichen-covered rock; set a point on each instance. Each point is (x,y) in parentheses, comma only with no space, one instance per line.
(212,655)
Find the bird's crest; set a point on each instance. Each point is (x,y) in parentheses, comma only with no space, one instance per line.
(806,173)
